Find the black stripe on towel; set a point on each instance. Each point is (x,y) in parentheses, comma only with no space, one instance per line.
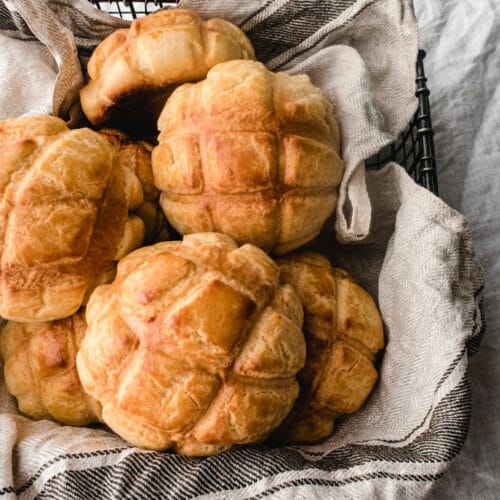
(317,41)
(441,442)
(59,458)
(166,475)
(12,24)
(350,480)
(291,24)
(479,321)
(67,490)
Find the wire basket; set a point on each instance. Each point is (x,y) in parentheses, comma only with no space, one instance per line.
(414,149)
(127,9)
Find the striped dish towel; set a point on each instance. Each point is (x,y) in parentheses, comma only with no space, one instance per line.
(403,244)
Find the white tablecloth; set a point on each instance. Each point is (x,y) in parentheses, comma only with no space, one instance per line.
(463,68)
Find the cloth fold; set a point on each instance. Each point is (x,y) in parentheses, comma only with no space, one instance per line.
(403,244)
(63,28)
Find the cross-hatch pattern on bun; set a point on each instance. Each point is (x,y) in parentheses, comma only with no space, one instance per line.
(132,70)
(343,331)
(64,216)
(249,153)
(195,345)
(40,370)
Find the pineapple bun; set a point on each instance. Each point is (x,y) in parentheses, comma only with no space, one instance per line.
(250,153)
(194,346)
(40,369)
(343,331)
(65,216)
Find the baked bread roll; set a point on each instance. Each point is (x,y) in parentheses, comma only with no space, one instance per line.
(40,371)
(195,345)
(343,332)
(249,153)
(132,71)
(136,155)
(64,216)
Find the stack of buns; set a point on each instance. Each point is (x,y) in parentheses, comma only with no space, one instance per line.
(132,72)
(224,337)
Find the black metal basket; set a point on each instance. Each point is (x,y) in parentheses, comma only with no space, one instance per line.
(128,9)
(414,149)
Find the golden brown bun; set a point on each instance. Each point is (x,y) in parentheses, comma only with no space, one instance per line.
(343,332)
(249,153)
(194,345)
(40,370)
(132,71)
(136,156)
(63,216)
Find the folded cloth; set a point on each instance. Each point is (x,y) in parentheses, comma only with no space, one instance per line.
(403,244)
(59,31)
